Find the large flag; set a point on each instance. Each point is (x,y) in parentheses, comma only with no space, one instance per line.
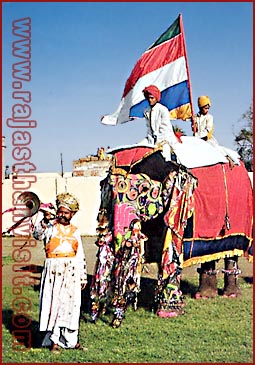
(165,65)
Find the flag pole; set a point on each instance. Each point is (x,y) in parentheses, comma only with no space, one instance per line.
(188,73)
(61,162)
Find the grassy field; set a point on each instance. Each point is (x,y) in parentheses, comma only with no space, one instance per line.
(213,331)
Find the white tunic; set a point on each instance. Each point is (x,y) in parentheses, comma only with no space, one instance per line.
(159,130)
(159,127)
(60,292)
(204,124)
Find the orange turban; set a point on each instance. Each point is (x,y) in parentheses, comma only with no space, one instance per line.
(152,90)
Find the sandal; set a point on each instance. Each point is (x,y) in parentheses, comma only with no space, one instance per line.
(55,349)
(79,347)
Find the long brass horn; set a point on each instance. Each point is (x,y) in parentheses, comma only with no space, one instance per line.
(28,203)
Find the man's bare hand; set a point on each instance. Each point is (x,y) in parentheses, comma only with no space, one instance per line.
(83,286)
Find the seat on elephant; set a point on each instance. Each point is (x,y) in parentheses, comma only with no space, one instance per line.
(192,152)
(195,152)
(142,159)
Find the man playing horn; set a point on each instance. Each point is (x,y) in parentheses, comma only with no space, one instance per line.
(63,277)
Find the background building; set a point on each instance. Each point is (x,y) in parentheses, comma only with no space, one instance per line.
(85,186)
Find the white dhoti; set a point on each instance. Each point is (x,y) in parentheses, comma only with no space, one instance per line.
(60,302)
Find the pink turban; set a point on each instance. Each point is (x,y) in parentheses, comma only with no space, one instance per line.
(152,90)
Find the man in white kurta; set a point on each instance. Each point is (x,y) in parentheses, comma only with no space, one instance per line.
(64,276)
(159,127)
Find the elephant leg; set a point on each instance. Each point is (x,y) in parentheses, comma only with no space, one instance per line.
(231,272)
(207,281)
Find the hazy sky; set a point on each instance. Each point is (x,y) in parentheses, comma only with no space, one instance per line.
(83,53)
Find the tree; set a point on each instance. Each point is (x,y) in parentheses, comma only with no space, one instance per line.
(244,140)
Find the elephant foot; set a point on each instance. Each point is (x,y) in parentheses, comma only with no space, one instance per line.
(231,291)
(207,281)
(206,295)
(231,272)
(233,295)
(208,288)
(170,312)
(164,314)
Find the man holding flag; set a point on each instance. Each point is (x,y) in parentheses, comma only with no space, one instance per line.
(163,64)
(159,127)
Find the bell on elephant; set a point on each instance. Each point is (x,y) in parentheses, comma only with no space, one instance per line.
(207,281)
(231,272)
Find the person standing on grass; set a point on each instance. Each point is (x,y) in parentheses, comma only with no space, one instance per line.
(63,277)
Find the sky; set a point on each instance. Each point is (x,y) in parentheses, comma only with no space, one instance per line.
(82,54)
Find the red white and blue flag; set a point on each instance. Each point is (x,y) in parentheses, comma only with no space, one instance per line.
(165,65)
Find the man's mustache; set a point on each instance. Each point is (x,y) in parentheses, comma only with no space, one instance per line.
(63,217)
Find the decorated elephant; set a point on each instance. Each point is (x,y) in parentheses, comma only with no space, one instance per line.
(154,210)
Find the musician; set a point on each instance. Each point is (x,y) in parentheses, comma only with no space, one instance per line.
(64,276)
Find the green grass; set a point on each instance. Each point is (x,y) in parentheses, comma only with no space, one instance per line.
(216,330)
(7,260)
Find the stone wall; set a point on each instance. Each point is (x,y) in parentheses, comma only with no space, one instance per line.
(48,185)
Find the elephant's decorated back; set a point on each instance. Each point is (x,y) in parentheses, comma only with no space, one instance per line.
(175,203)
(142,185)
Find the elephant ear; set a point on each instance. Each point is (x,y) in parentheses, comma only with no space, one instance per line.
(128,157)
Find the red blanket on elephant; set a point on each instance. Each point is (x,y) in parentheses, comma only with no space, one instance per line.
(220,192)
(221,224)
